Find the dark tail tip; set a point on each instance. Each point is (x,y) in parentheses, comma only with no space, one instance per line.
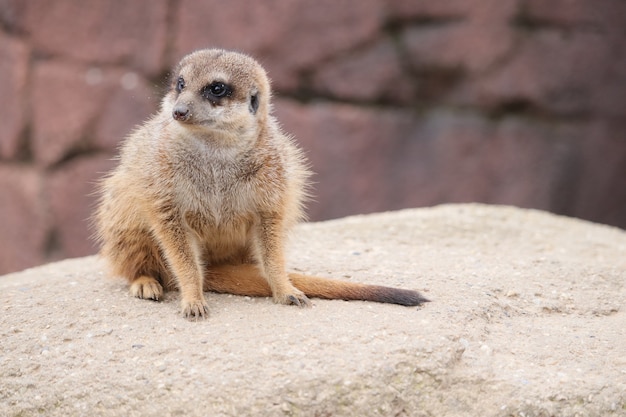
(398,296)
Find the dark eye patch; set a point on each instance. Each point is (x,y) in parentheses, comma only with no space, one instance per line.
(216,90)
(254,103)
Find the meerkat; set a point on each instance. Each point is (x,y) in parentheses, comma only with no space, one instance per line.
(206,192)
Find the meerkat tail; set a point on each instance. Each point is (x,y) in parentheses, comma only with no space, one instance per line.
(246,280)
(341,290)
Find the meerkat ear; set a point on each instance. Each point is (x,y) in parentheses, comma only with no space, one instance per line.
(254,102)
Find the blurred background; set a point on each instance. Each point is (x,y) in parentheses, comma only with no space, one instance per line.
(398,103)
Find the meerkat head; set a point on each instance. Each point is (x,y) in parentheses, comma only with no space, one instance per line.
(219,93)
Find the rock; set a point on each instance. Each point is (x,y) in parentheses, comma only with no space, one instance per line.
(341,141)
(60,125)
(132,101)
(24,223)
(574,13)
(100,33)
(472,44)
(300,35)
(527,318)
(14,70)
(418,9)
(558,85)
(377,160)
(360,77)
(72,207)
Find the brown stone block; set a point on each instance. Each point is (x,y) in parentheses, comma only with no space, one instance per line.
(101,31)
(322,29)
(550,71)
(70,191)
(582,14)
(132,102)
(371,160)
(286,36)
(609,93)
(411,9)
(65,100)
(532,164)
(14,56)
(372,74)
(76,107)
(473,44)
(601,191)
(24,223)
(439,160)
(463,157)
(240,25)
(349,149)
(457,47)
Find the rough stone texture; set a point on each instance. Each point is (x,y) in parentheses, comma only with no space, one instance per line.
(288,37)
(65,102)
(354,170)
(575,13)
(23,239)
(70,210)
(527,319)
(399,103)
(14,70)
(596,185)
(449,156)
(102,31)
(360,77)
(472,44)
(547,72)
(136,100)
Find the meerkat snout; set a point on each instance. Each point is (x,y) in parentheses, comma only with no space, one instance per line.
(181,112)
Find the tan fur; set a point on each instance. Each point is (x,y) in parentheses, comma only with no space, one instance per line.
(206,192)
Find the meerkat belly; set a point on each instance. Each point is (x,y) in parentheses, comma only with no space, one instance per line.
(224,239)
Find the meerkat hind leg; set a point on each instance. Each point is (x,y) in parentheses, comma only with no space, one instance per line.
(147,288)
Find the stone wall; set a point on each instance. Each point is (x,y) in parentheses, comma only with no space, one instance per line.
(398,103)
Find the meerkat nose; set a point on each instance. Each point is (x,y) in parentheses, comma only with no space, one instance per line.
(181,113)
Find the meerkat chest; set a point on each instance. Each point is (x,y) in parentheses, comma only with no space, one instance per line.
(217,199)
(220,218)
(217,192)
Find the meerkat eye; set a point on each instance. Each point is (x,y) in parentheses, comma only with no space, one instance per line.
(216,89)
(180,84)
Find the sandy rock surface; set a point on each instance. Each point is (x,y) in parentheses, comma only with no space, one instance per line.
(527,319)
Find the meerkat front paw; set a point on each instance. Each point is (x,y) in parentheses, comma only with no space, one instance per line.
(194,310)
(147,288)
(294,297)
